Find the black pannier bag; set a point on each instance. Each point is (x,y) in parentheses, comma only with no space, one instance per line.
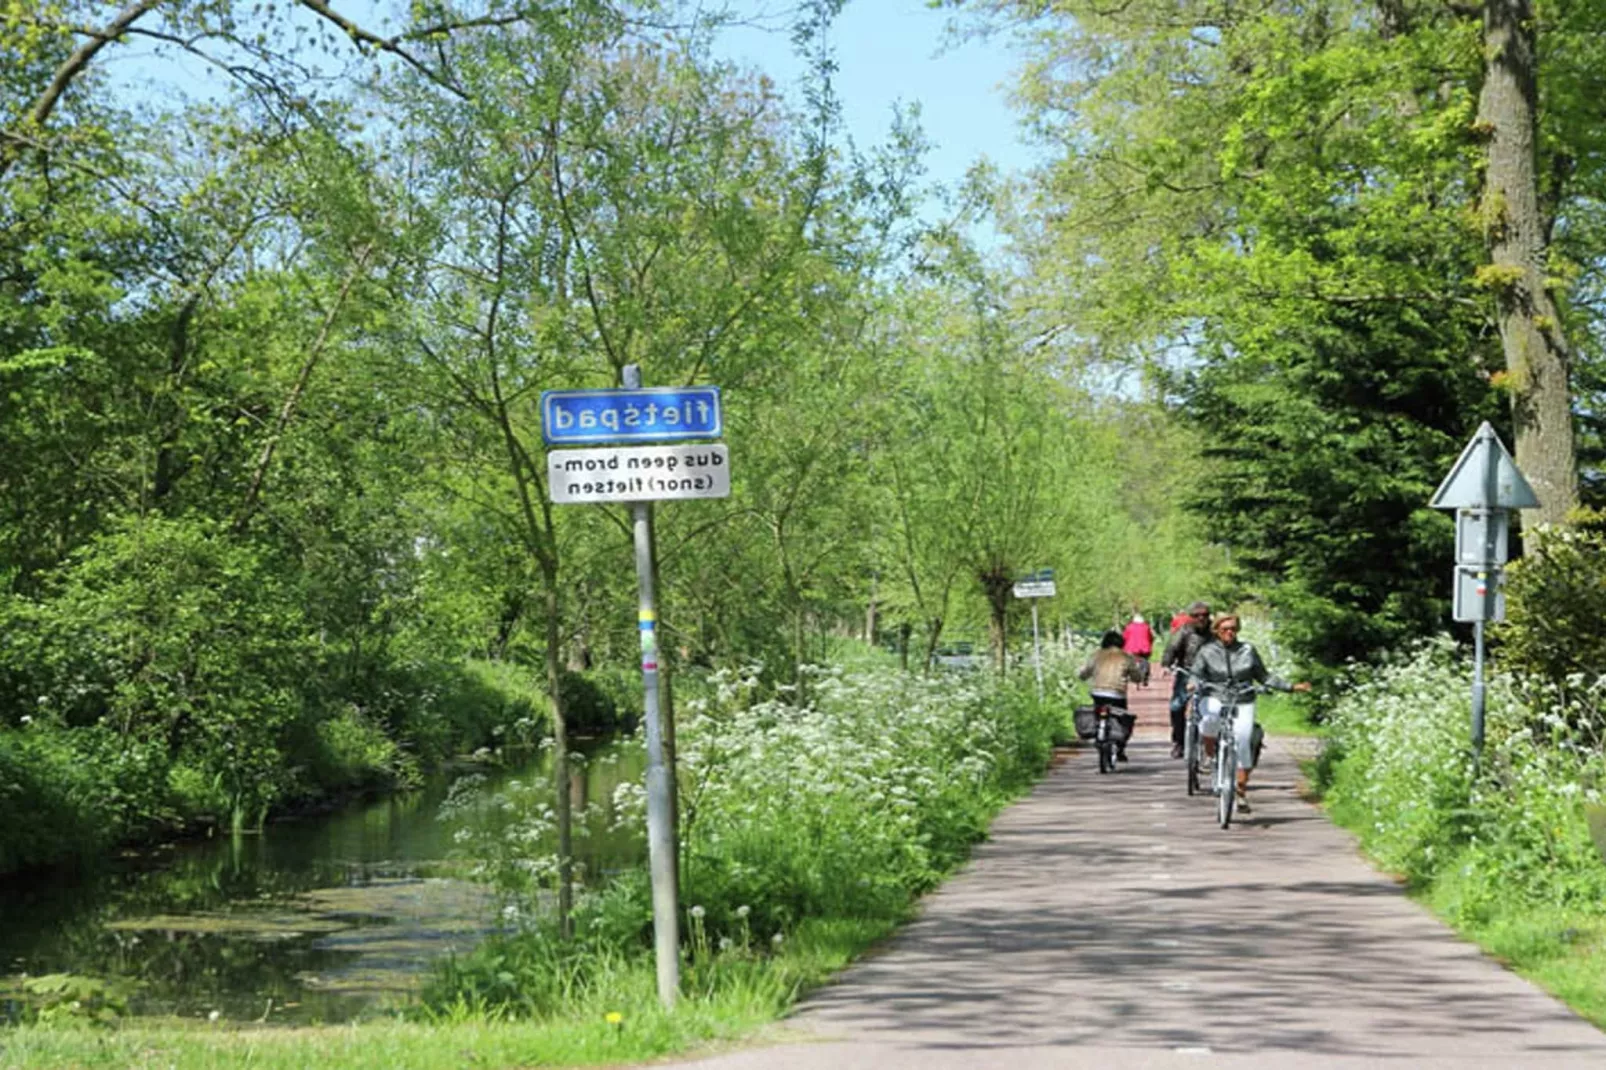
(1120,724)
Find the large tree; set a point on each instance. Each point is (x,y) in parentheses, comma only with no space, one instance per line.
(1246,194)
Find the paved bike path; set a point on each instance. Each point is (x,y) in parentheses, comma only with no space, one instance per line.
(1109,923)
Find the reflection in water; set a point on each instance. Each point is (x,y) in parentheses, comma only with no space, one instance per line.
(317,919)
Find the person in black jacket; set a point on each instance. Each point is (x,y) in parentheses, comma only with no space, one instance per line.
(1179,654)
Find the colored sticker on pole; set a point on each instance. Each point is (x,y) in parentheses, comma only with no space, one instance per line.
(649,642)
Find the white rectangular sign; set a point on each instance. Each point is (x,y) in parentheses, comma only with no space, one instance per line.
(1035,589)
(1479,593)
(638,473)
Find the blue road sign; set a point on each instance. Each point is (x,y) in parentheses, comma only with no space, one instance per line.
(657,414)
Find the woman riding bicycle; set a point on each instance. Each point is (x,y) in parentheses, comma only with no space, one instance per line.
(1220,663)
(1111,668)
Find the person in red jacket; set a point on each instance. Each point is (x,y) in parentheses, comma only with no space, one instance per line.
(1138,640)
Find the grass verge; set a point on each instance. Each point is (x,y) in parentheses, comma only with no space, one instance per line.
(721,1006)
(1285,715)
(1563,952)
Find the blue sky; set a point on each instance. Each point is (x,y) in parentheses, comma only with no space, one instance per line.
(897,50)
(888,51)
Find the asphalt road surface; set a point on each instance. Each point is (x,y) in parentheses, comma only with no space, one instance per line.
(1109,923)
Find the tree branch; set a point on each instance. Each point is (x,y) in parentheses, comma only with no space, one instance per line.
(293,400)
(383,44)
(71,67)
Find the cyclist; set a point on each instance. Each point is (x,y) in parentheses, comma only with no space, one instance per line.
(1138,640)
(1111,668)
(1179,654)
(1228,660)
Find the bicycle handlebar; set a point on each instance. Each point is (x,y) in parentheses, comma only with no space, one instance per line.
(1237,687)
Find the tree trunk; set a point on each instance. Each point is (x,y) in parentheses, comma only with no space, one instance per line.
(560,758)
(872,613)
(578,658)
(1514,230)
(997,585)
(933,638)
(292,401)
(167,463)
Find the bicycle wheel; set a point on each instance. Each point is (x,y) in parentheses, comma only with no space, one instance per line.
(1226,778)
(1190,755)
(1101,743)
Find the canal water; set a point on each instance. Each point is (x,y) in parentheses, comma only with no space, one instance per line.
(316,919)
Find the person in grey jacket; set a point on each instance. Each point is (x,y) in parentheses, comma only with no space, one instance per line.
(1179,654)
(1223,661)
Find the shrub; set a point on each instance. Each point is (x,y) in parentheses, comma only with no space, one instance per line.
(1511,836)
(352,751)
(1555,595)
(176,637)
(1405,775)
(47,799)
(67,793)
(588,709)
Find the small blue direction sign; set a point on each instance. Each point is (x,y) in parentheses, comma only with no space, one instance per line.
(658,414)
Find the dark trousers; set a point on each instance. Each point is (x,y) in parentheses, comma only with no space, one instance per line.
(1179,708)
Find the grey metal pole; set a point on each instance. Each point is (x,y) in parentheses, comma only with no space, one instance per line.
(660,814)
(1490,577)
(1477,690)
(1037,653)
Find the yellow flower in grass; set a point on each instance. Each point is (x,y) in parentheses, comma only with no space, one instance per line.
(614,1018)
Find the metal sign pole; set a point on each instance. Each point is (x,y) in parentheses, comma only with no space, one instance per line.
(1484,486)
(1477,691)
(660,816)
(1037,653)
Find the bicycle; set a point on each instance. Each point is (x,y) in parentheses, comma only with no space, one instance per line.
(1225,781)
(1108,726)
(1108,737)
(1192,748)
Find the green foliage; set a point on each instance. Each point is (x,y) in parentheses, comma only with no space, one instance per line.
(353,751)
(1325,444)
(589,708)
(1399,768)
(53,802)
(1272,216)
(1554,596)
(846,807)
(169,631)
